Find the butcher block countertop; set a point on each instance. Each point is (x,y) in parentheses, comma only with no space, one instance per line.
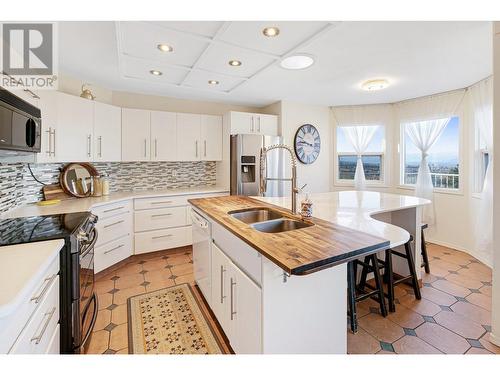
(297,252)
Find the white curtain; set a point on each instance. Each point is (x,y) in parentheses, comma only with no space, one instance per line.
(423,134)
(360,137)
(481,96)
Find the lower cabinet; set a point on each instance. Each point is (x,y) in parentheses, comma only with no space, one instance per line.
(146,242)
(237,304)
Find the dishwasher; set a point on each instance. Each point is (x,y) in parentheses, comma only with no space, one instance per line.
(202,238)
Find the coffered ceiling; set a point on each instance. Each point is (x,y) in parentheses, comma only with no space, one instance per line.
(418,58)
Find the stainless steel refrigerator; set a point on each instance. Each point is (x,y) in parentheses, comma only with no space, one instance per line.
(245,166)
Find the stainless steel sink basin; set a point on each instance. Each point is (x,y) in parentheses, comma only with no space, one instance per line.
(255,215)
(280,225)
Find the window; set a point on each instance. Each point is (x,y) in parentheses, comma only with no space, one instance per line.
(443,159)
(482,159)
(373,158)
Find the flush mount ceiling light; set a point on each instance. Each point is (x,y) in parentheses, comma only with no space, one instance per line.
(296,62)
(271,31)
(165,47)
(375,84)
(213,82)
(234,62)
(155,72)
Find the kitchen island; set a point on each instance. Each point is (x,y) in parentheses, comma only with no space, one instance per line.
(278,284)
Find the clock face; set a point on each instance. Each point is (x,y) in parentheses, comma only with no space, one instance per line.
(307,144)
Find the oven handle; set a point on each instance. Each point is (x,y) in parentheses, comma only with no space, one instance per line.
(92,324)
(91,244)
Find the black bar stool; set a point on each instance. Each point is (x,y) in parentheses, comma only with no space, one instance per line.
(358,293)
(425,257)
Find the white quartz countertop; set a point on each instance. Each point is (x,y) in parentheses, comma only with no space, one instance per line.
(20,266)
(86,204)
(354,209)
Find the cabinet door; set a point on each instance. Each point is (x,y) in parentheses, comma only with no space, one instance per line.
(107,132)
(163,136)
(266,124)
(211,137)
(242,123)
(245,313)
(48,106)
(220,288)
(75,123)
(188,137)
(136,125)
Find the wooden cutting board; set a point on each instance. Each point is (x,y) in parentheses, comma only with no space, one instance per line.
(55,191)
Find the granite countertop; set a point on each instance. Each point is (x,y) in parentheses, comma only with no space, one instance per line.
(297,252)
(86,204)
(20,266)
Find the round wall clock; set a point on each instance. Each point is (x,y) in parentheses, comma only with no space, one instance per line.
(307,144)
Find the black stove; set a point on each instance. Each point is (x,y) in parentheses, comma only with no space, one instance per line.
(78,302)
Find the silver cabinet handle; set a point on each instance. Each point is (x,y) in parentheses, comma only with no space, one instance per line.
(163,202)
(49,134)
(114,248)
(165,235)
(222,296)
(100,146)
(205,148)
(196,147)
(233,313)
(48,316)
(54,143)
(46,284)
(112,224)
(114,209)
(89,145)
(253,124)
(159,215)
(145,146)
(259,125)
(156,148)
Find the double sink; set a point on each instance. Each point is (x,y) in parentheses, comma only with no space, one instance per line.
(267,220)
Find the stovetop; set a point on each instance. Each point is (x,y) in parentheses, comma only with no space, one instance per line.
(40,228)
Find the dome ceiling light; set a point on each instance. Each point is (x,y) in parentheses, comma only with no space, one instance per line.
(297,62)
(375,84)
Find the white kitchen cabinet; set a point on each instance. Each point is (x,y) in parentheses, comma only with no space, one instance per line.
(164,136)
(74,137)
(107,132)
(245,313)
(220,289)
(188,136)
(252,123)
(211,137)
(136,136)
(48,106)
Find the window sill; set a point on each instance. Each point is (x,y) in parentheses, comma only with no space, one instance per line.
(436,190)
(346,183)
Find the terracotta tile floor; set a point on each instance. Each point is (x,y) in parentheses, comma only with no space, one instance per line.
(452,317)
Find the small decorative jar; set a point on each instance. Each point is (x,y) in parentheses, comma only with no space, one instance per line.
(306,207)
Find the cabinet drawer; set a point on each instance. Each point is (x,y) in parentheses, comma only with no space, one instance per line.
(114,227)
(55,342)
(113,252)
(36,336)
(110,210)
(160,219)
(162,239)
(13,324)
(159,202)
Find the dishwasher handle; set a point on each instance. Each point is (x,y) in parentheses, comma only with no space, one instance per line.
(198,220)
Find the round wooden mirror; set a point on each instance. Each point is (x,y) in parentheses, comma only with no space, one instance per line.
(76,179)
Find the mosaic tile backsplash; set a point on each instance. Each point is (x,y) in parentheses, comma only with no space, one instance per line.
(17,187)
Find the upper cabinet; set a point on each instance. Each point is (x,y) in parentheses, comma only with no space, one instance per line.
(252,123)
(163,136)
(136,134)
(107,132)
(211,137)
(188,136)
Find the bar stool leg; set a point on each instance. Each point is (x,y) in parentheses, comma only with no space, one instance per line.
(424,254)
(364,274)
(389,280)
(413,273)
(351,291)
(378,283)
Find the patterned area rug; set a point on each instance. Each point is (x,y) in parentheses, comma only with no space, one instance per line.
(169,321)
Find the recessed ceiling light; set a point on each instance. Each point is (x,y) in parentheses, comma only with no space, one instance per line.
(374,84)
(165,47)
(296,62)
(155,72)
(234,62)
(271,31)
(213,82)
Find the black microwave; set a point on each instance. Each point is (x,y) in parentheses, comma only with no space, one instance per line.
(20,124)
